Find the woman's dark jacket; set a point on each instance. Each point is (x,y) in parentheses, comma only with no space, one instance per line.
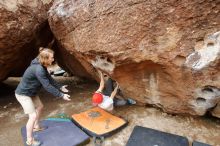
(34,78)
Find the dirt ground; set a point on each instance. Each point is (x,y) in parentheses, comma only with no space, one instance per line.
(12,118)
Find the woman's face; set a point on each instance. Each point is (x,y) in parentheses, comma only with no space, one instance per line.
(50,59)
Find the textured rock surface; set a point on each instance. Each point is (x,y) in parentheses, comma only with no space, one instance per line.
(23,28)
(216,111)
(70,63)
(163,53)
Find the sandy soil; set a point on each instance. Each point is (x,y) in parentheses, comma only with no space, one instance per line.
(203,129)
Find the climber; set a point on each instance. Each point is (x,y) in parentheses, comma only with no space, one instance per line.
(105,98)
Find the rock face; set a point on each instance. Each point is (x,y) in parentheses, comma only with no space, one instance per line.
(23,29)
(70,63)
(164,53)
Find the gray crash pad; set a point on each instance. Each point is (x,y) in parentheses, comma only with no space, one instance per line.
(142,136)
(59,133)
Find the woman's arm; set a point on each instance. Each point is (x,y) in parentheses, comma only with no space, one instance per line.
(41,75)
(53,82)
(56,84)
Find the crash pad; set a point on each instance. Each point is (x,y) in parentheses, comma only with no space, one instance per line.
(142,136)
(59,133)
(196,143)
(59,72)
(98,123)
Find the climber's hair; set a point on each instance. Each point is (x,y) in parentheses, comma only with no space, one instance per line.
(44,55)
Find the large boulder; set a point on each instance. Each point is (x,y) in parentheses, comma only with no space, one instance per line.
(70,63)
(164,53)
(23,29)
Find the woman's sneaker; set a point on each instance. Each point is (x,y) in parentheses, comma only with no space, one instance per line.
(33,143)
(131,101)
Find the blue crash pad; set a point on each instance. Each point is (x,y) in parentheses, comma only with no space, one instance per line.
(142,136)
(196,143)
(58,133)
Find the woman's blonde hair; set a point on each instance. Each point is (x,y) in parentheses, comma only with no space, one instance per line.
(44,55)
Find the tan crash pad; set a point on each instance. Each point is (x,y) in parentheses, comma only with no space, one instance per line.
(98,122)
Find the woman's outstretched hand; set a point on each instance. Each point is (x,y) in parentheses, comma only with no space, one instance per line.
(63,89)
(66,97)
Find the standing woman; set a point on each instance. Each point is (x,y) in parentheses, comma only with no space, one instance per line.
(36,76)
